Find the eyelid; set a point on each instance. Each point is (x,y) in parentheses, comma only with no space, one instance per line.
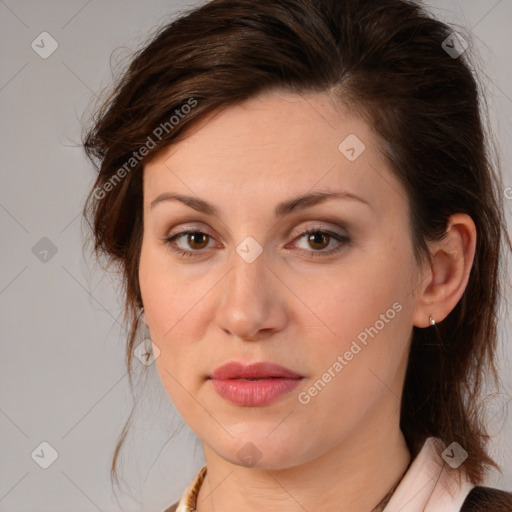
(320,226)
(189,227)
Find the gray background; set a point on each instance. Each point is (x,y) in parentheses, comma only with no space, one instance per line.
(62,377)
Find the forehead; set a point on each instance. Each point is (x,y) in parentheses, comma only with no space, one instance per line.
(276,145)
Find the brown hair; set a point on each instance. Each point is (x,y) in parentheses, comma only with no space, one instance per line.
(385,60)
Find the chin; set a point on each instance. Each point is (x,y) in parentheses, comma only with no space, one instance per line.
(259,451)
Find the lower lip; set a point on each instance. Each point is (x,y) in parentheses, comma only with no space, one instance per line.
(254,393)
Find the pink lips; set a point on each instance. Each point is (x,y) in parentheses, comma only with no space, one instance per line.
(268,382)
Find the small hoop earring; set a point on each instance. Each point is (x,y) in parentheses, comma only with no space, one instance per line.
(432,321)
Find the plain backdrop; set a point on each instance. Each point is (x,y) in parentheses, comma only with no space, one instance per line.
(63,381)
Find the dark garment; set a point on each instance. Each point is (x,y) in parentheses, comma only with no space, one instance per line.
(487,499)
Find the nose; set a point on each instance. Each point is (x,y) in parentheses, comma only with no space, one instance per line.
(251,304)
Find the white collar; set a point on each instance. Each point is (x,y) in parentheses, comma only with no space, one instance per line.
(427,486)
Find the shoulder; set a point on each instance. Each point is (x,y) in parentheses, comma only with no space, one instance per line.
(172,508)
(487,499)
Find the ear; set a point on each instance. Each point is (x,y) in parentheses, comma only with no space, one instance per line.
(445,277)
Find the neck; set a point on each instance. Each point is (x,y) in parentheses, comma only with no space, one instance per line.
(353,476)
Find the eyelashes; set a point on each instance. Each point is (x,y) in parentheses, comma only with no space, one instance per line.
(314,235)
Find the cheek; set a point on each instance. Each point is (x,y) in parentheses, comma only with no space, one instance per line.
(355,295)
(174,304)
(167,292)
(365,308)
(159,296)
(362,357)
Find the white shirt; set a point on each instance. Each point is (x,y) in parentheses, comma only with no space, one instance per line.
(427,486)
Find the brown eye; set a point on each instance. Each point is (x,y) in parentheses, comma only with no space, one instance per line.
(318,240)
(201,239)
(195,242)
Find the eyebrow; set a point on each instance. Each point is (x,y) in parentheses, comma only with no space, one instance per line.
(281,210)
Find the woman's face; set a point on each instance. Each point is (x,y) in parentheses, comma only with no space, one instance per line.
(334,306)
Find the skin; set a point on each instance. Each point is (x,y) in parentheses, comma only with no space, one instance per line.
(292,305)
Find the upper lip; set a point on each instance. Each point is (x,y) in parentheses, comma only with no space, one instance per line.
(260,370)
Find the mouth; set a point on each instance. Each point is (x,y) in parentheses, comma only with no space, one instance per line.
(253,385)
(251,392)
(263,370)
(249,380)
